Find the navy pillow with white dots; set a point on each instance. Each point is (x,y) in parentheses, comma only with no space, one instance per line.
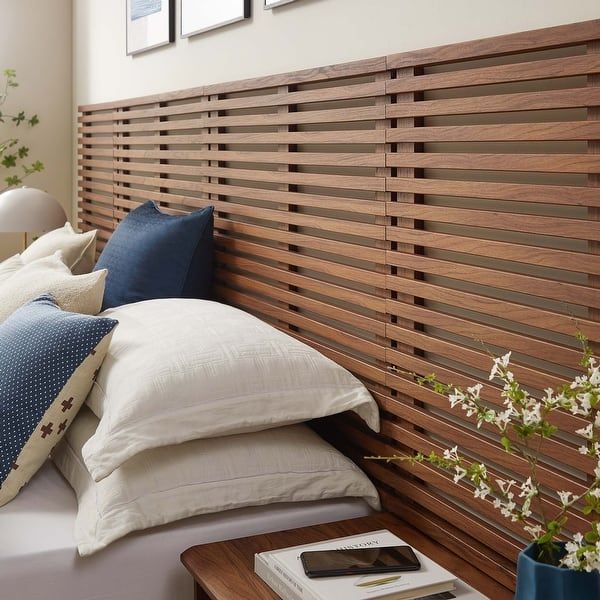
(41,347)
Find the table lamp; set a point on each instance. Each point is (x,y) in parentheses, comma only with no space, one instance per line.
(28,209)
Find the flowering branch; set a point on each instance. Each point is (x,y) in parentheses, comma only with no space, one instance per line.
(527,420)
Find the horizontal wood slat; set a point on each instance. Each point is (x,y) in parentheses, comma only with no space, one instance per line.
(544,163)
(402,215)
(522,71)
(516,102)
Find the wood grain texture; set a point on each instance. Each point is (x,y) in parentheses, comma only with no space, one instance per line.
(405,214)
(225,570)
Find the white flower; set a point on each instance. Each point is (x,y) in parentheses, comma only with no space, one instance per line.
(583,450)
(595,376)
(571,560)
(565,497)
(533,416)
(451,454)
(482,491)
(578,538)
(460,473)
(502,419)
(456,397)
(499,365)
(535,531)
(475,390)
(579,381)
(549,399)
(585,403)
(505,485)
(592,558)
(527,489)
(507,510)
(586,432)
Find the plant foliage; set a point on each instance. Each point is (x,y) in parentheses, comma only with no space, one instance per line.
(13,154)
(523,424)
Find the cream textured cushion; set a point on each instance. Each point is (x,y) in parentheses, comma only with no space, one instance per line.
(184,369)
(288,464)
(74,293)
(10,266)
(78,249)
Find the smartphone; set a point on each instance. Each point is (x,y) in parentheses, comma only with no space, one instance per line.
(383,559)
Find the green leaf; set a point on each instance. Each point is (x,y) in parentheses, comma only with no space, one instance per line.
(13,181)
(591,537)
(9,161)
(547,537)
(19,118)
(506,444)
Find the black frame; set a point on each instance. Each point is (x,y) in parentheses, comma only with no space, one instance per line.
(171,9)
(246,15)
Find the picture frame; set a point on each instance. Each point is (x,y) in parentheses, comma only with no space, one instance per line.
(269,4)
(150,24)
(199,16)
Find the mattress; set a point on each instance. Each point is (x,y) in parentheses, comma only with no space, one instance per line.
(39,560)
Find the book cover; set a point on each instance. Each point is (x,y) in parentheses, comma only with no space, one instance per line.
(431,578)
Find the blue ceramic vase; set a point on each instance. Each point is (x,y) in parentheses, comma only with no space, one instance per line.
(538,581)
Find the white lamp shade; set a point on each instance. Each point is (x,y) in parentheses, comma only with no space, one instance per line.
(28,209)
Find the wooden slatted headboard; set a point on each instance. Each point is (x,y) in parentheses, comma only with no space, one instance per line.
(409,212)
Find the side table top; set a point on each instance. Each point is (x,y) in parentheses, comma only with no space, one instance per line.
(225,570)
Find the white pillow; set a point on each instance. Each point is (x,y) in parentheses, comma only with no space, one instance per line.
(10,266)
(78,249)
(184,369)
(73,293)
(288,464)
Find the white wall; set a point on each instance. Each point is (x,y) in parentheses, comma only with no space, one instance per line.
(36,40)
(305,33)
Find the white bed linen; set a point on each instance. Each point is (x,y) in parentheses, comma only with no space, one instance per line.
(39,560)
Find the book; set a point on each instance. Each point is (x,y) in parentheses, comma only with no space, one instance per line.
(284,568)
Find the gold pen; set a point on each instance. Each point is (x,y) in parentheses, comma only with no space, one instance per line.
(381,581)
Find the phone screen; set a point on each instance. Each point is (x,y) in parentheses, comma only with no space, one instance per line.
(363,560)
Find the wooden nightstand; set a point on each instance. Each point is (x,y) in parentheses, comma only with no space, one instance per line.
(225,570)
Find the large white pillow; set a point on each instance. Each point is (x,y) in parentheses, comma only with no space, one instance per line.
(49,275)
(288,464)
(184,369)
(78,249)
(10,266)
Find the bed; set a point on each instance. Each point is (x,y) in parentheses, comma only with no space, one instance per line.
(39,560)
(384,213)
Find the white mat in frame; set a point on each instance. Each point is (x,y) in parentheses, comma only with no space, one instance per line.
(197,17)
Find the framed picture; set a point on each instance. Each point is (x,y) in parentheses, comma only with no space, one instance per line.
(273,3)
(150,24)
(198,16)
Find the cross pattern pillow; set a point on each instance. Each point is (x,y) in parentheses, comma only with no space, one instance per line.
(48,360)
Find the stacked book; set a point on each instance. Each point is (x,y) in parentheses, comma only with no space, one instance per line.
(282,571)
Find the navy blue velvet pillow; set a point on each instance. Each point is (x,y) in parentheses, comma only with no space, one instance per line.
(155,255)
